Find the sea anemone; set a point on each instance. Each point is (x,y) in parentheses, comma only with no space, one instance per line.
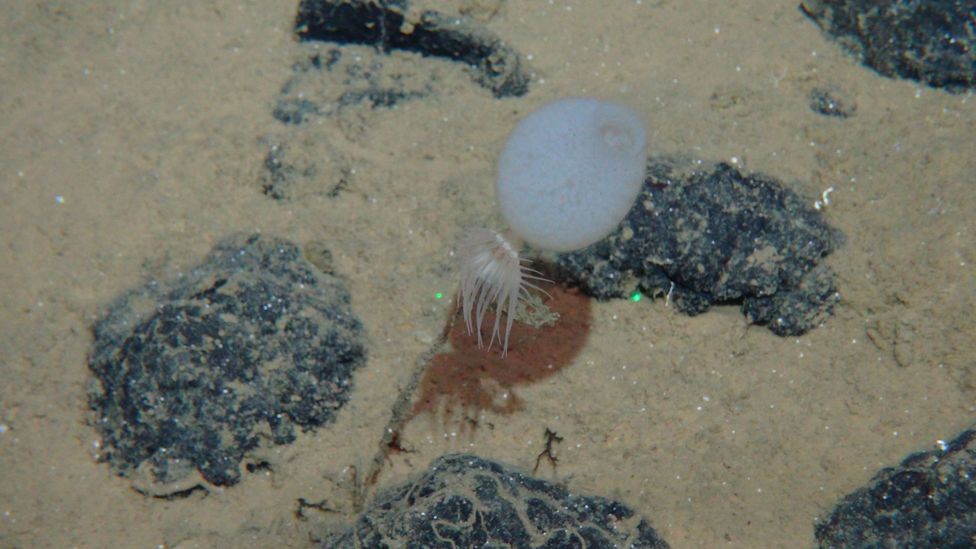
(492,272)
(567,176)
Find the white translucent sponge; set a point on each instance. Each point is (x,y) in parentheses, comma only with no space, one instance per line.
(570,172)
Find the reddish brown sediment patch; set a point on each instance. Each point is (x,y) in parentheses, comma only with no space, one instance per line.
(468,380)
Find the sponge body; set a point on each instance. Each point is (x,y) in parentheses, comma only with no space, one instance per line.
(570,172)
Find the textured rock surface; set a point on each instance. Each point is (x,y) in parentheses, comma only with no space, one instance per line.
(466,501)
(193,373)
(927,501)
(933,41)
(704,237)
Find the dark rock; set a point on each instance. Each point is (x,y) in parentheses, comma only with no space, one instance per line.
(281,176)
(932,41)
(362,56)
(326,82)
(294,110)
(705,237)
(302,164)
(929,501)
(466,501)
(193,373)
(384,25)
(830,101)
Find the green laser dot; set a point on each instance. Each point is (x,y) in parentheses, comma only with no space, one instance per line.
(635,297)
(439,295)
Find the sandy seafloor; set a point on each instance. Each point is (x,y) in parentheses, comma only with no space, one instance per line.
(133,136)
